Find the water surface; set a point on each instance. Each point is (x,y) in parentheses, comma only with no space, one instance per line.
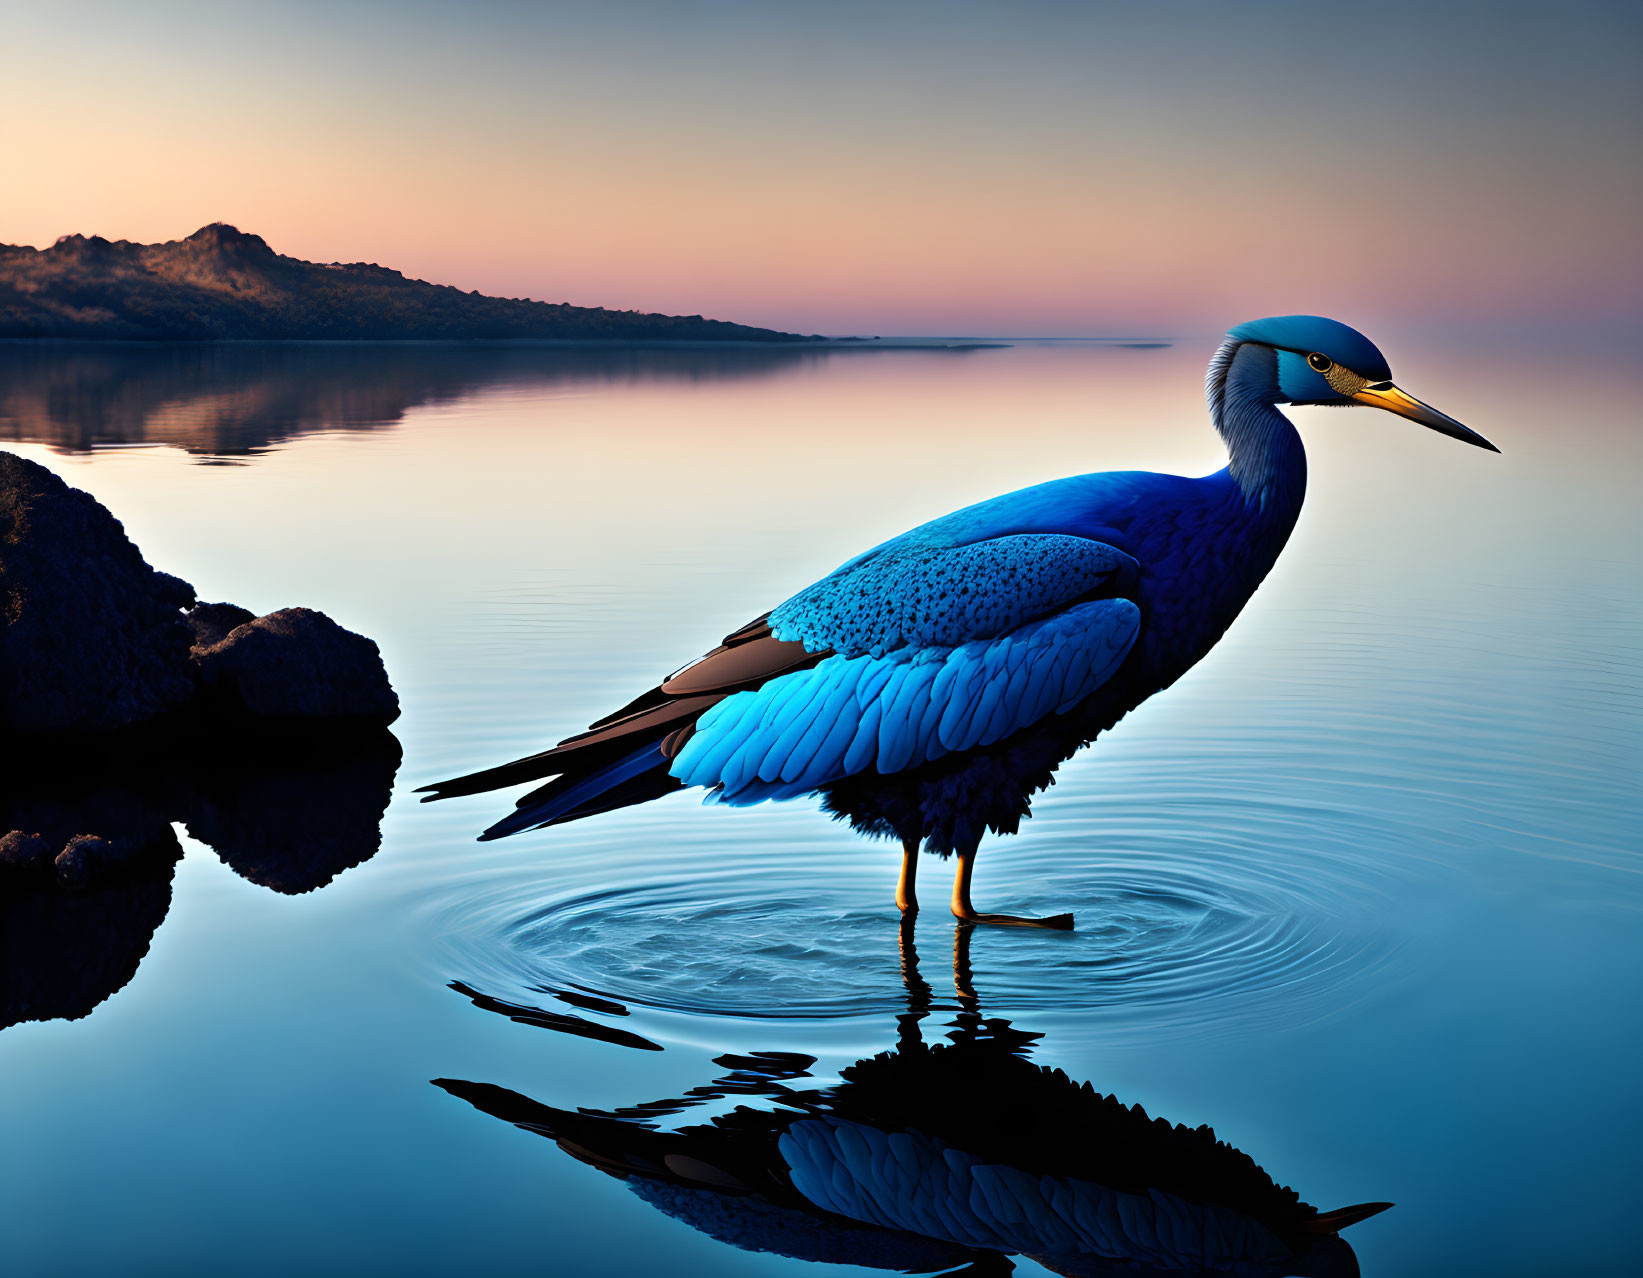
(1363,891)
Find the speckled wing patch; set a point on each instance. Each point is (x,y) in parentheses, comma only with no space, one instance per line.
(942,596)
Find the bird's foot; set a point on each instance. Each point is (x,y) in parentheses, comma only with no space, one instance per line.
(1056,922)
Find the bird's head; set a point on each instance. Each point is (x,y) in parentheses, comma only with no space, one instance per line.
(1322,361)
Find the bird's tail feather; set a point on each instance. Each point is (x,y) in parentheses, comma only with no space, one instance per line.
(578,794)
(1331,1222)
(584,753)
(626,794)
(623,758)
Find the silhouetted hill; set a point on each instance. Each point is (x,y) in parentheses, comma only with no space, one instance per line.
(223,283)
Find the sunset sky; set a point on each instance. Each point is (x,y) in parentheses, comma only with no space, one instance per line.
(885,168)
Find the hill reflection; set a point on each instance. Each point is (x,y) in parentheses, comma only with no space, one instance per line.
(237,399)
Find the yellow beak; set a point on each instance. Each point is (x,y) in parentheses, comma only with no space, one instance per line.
(1387,396)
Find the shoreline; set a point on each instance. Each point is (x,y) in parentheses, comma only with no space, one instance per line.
(534,343)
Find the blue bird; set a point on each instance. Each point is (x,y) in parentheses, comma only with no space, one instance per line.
(928,688)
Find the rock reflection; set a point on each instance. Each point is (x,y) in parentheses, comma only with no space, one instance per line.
(238,399)
(948,1156)
(294,821)
(64,950)
(88,849)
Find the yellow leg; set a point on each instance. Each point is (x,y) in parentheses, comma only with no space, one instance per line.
(966,913)
(907,885)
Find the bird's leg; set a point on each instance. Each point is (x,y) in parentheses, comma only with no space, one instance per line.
(966,913)
(906,886)
(963,974)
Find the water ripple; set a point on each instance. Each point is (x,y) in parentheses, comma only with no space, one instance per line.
(1174,923)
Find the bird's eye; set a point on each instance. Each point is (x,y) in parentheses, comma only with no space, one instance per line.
(1320,363)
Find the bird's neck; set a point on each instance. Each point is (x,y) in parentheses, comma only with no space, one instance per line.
(1267,459)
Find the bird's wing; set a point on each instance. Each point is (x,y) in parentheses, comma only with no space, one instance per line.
(910,593)
(905,707)
(931,649)
(1021,609)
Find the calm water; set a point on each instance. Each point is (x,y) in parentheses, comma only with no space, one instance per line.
(1364,891)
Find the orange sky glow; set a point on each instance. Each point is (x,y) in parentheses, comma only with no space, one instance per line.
(1066,170)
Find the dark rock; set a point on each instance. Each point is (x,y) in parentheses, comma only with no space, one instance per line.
(84,858)
(298,664)
(174,590)
(26,852)
(93,640)
(211,623)
(91,637)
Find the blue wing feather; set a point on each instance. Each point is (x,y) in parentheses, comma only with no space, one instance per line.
(950,637)
(903,707)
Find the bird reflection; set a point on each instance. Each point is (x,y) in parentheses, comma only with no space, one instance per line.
(87,866)
(944,1156)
